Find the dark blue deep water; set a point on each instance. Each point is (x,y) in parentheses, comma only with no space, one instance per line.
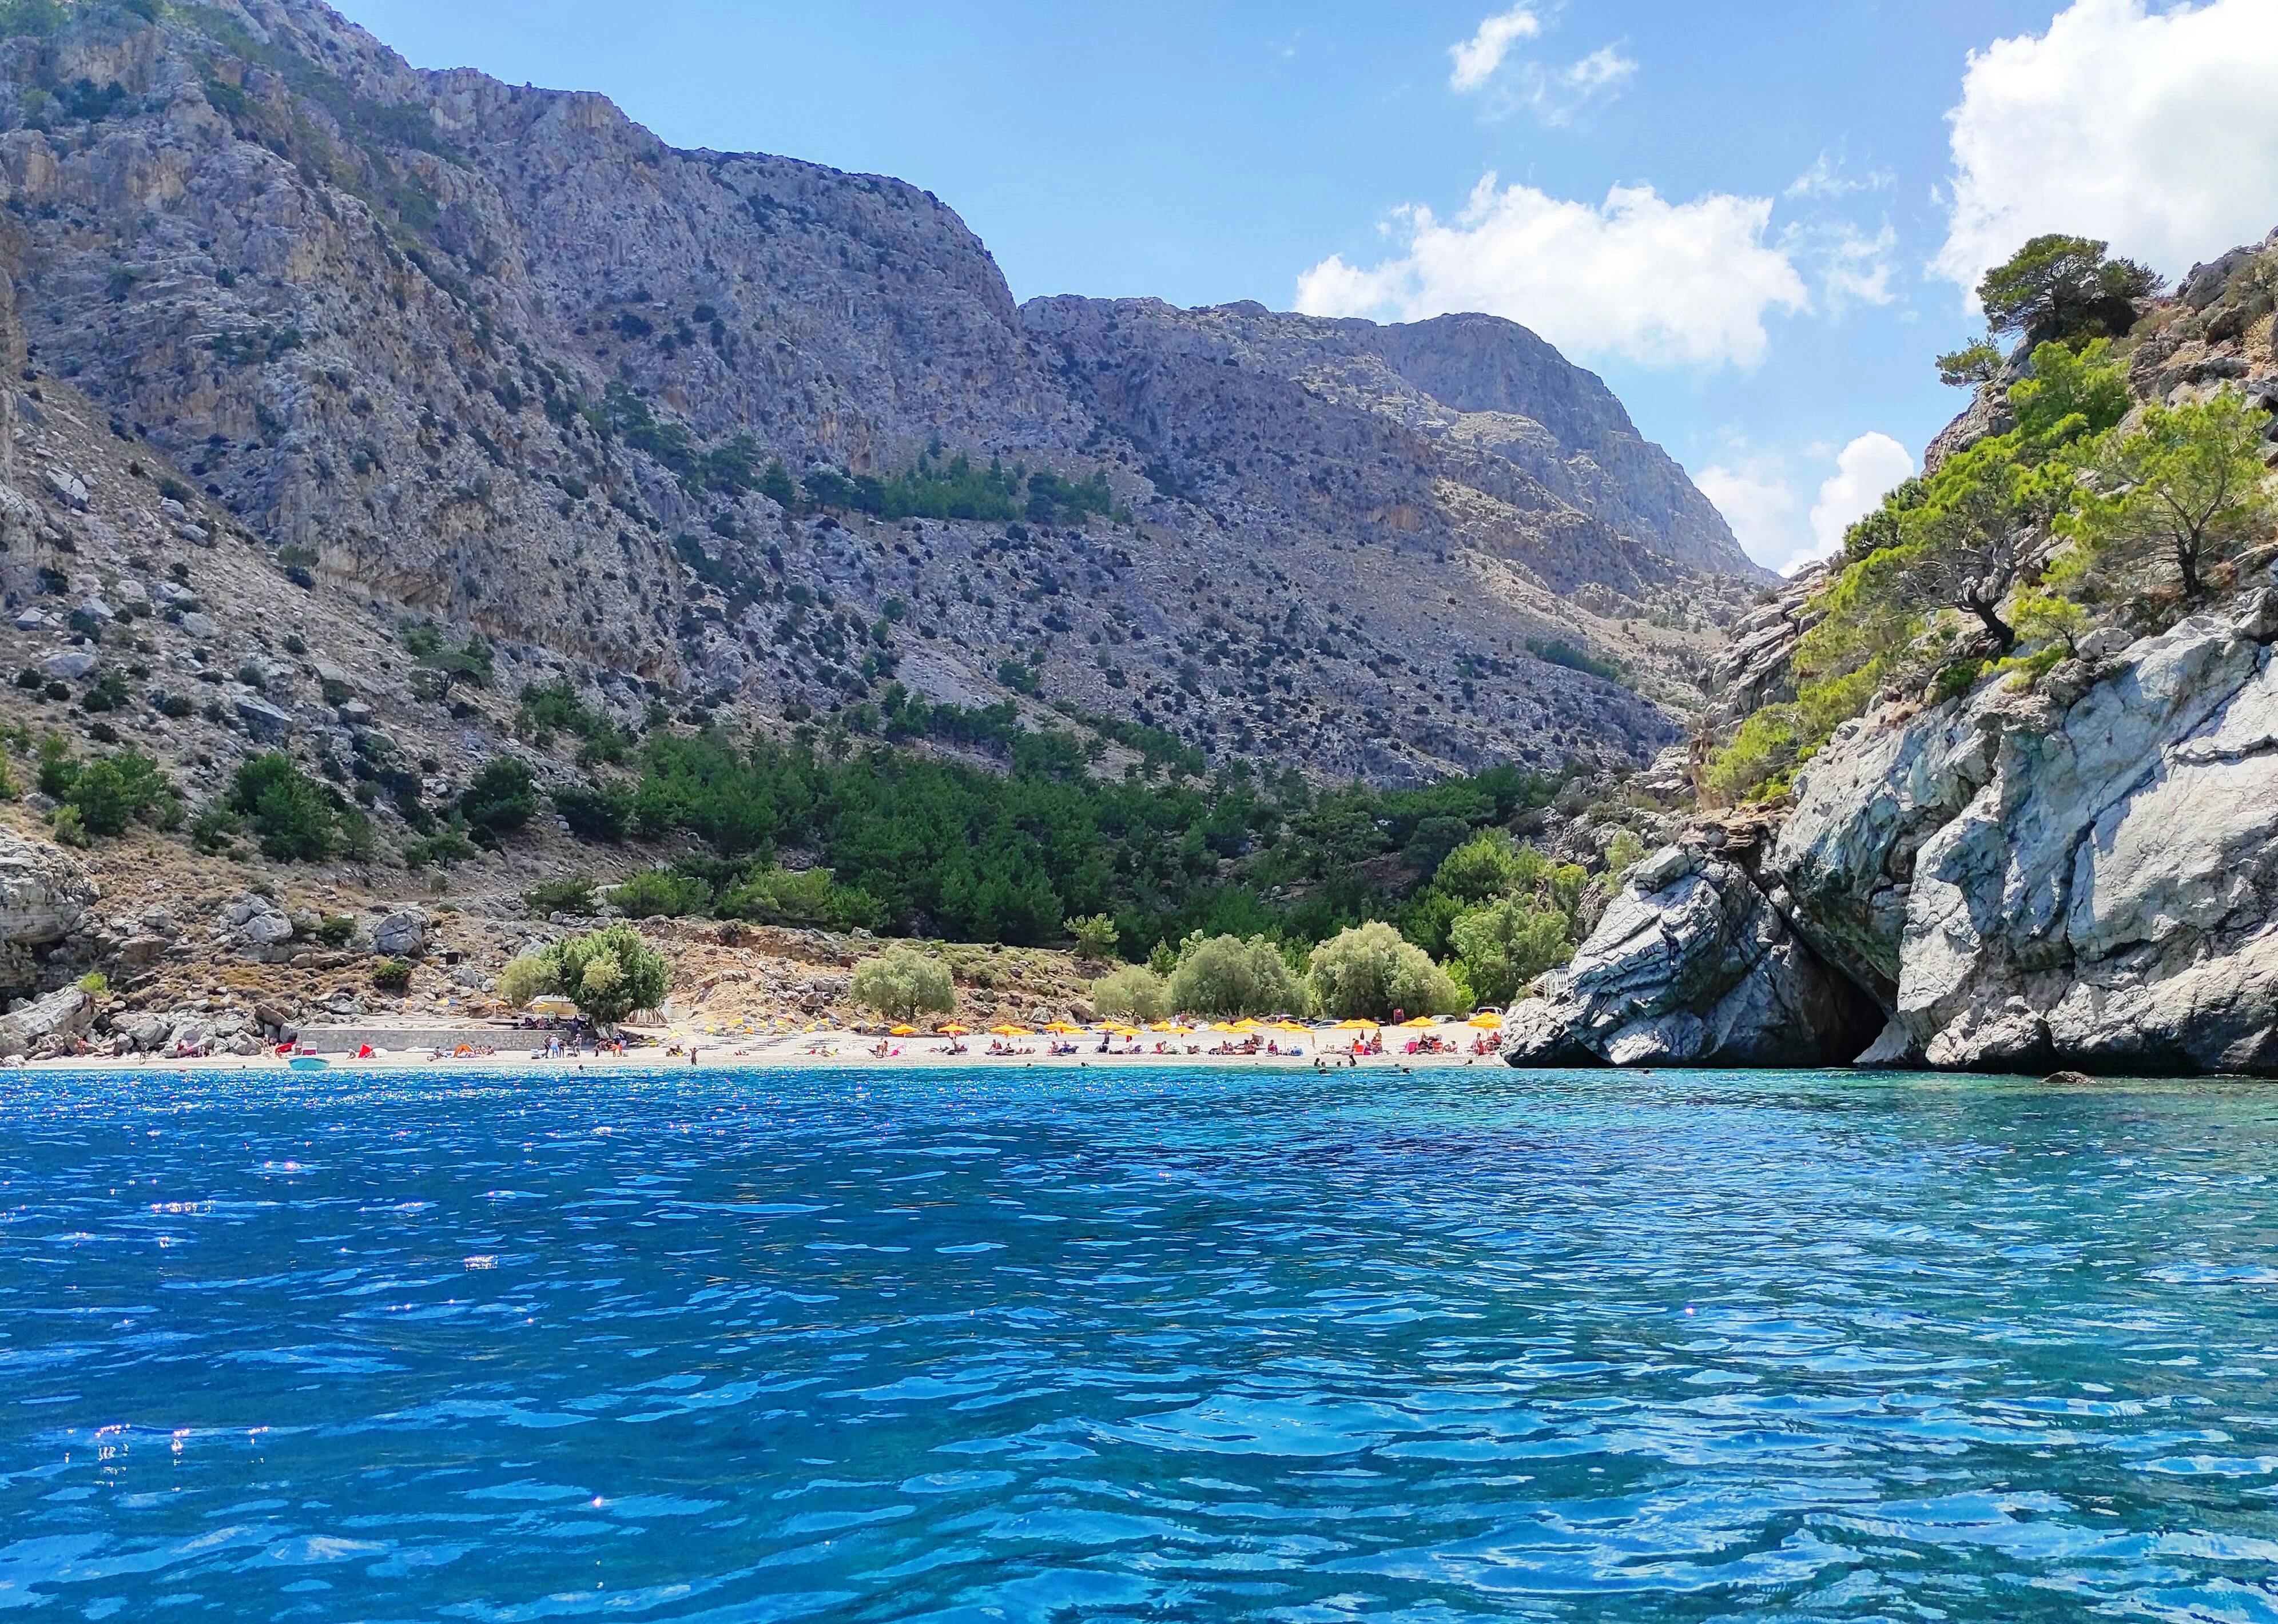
(1073,1346)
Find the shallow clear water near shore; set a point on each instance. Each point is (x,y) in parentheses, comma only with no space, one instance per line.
(1219,1344)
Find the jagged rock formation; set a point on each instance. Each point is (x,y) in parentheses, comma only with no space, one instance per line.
(2083,873)
(2080,870)
(500,356)
(1690,965)
(43,896)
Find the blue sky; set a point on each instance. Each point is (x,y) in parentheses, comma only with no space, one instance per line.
(1757,222)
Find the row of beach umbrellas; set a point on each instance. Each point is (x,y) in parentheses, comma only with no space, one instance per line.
(1487,1020)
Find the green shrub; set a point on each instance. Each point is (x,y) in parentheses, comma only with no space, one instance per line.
(523,978)
(903,983)
(391,976)
(215,828)
(807,897)
(1227,977)
(57,770)
(111,792)
(94,984)
(1369,972)
(608,974)
(441,849)
(1502,945)
(334,929)
(659,893)
(296,819)
(1761,759)
(499,800)
(1095,937)
(67,828)
(1134,993)
(572,894)
(594,813)
(1624,852)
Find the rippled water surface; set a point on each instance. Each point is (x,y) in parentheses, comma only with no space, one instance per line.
(1044,1344)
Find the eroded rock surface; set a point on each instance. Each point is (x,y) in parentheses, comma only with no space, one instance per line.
(1691,964)
(2085,874)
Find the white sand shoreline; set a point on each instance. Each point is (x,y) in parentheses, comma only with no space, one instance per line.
(849,1051)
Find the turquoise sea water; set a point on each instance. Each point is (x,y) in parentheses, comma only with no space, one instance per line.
(1038,1344)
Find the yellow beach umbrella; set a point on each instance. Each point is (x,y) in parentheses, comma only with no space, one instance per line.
(1289,1026)
(953,1030)
(1354,1025)
(1060,1028)
(1118,1029)
(1419,1021)
(901,1032)
(1486,1020)
(1011,1032)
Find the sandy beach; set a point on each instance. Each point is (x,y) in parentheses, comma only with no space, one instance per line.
(826,1050)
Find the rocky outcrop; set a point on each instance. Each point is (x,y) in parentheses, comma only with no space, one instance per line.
(40,1026)
(2102,891)
(2079,872)
(43,897)
(1691,964)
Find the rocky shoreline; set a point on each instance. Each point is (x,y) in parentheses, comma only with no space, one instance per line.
(2079,872)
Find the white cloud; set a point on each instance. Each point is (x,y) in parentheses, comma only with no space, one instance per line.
(1829,177)
(1759,499)
(1553,94)
(2153,130)
(1665,283)
(1850,267)
(1865,470)
(1760,504)
(1476,58)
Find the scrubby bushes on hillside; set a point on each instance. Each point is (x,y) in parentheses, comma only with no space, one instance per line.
(294,818)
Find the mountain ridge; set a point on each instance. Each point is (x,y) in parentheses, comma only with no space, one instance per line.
(502,355)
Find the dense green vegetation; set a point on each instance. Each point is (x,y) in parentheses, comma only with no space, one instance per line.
(1999,559)
(104,795)
(607,973)
(920,845)
(295,819)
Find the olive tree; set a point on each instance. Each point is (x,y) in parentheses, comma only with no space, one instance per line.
(1226,976)
(1134,993)
(1371,970)
(902,983)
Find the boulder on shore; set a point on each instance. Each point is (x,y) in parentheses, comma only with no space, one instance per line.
(1691,964)
(61,1014)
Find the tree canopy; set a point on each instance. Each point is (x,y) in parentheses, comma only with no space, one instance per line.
(2059,286)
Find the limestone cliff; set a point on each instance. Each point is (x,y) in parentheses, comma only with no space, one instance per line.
(2075,867)
(501,356)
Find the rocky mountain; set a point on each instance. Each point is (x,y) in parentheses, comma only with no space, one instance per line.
(500,357)
(2075,868)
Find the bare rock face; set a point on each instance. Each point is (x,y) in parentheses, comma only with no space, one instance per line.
(2086,875)
(499,356)
(43,897)
(42,1023)
(1691,964)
